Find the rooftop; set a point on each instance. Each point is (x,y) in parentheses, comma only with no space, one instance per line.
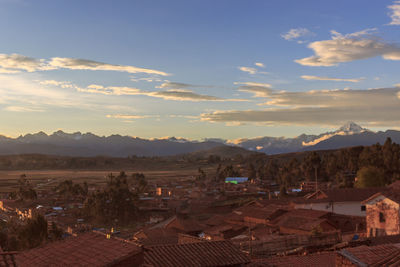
(210,253)
(372,256)
(89,249)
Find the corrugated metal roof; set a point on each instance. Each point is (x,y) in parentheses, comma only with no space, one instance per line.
(236,179)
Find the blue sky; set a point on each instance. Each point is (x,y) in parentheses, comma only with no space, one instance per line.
(198,69)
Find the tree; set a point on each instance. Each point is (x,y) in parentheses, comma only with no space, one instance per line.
(252,173)
(33,233)
(139,182)
(25,189)
(370,176)
(116,203)
(201,176)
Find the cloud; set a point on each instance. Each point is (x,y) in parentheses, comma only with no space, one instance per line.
(170,94)
(257,89)
(184,95)
(259,64)
(376,107)
(349,47)
(254,84)
(296,33)
(395,13)
(175,85)
(111,90)
(130,117)
(317,78)
(16,63)
(146,79)
(22,109)
(248,70)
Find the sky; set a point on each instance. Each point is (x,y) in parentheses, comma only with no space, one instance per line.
(198,69)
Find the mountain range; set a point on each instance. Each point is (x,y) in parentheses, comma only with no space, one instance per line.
(88,144)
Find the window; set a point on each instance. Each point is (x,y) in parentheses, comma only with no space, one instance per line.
(363,208)
(381,217)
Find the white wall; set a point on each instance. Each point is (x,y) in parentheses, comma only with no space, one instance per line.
(345,208)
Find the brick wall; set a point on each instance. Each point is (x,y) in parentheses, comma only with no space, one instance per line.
(383,218)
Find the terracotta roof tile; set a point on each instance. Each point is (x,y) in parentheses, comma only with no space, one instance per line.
(371,255)
(342,195)
(326,259)
(211,253)
(89,249)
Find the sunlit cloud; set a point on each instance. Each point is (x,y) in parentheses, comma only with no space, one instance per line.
(146,79)
(296,33)
(349,47)
(22,109)
(248,70)
(377,106)
(318,78)
(257,89)
(259,64)
(395,13)
(16,63)
(130,117)
(175,85)
(170,94)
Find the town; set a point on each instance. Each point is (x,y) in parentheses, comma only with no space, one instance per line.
(130,220)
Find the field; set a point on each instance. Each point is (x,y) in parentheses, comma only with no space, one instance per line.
(45,179)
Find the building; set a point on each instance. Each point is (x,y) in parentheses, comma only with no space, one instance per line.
(346,201)
(383,214)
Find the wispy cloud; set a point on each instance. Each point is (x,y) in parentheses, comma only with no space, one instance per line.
(395,13)
(130,117)
(176,85)
(22,109)
(254,84)
(257,89)
(16,63)
(259,64)
(248,70)
(318,78)
(170,94)
(375,106)
(349,47)
(296,33)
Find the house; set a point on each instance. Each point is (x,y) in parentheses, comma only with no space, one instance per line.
(209,253)
(383,213)
(305,222)
(346,201)
(89,249)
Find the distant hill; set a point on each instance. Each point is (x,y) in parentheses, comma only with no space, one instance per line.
(348,135)
(222,151)
(89,145)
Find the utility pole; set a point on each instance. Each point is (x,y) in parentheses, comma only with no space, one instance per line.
(316,177)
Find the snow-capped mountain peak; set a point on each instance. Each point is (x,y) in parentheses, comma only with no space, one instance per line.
(351,127)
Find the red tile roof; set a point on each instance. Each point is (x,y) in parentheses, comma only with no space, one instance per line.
(89,249)
(325,259)
(7,258)
(375,255)
(211,253)
(341,195)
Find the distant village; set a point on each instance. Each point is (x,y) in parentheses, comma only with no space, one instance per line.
(194,222)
